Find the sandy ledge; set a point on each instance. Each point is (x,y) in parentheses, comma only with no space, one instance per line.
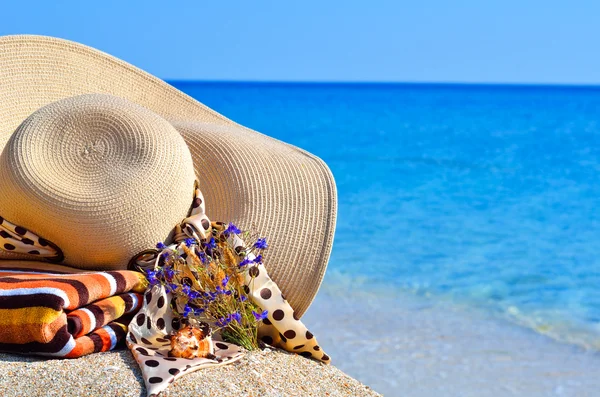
(264,373)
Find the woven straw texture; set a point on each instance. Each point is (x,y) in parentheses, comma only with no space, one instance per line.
(257,182)
(101,177)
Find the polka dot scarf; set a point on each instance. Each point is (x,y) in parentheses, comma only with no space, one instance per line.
(148,341)
(149,330)
(282,328)
(17,239)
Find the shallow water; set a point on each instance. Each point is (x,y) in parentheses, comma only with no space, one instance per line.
(483,197)
(423,347)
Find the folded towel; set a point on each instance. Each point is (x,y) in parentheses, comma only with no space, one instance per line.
(57,311)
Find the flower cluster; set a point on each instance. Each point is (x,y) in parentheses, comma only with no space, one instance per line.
(224,321)
(207,279)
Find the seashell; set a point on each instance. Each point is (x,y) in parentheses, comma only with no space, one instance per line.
(192,341)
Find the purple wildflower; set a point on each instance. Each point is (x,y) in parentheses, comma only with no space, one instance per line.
(243,298)
(212,244)
(223,321)
(258,259)
(236,316)
(161,246)
(189,242)
(201,255)
(151,276)
(169,272)
(210,296)
(231,228)
(260,316)
(261,244)
(186,310)
(225,281)
(198,311)
(245,262)
(189,292)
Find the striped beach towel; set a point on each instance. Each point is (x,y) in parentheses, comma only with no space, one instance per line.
(58,311)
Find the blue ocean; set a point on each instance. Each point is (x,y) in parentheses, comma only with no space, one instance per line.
(481,196)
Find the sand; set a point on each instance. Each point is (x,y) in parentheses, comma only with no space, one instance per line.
(264,373)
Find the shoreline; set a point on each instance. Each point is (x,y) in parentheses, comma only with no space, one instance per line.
(568,331)
(406,345)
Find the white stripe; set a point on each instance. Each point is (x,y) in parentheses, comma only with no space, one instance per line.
(111,280)
(64,351)
(113,336)
(68,347)
(32,291)
(134,302)
(91,316)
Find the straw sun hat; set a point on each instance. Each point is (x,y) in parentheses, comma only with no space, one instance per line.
(99,159)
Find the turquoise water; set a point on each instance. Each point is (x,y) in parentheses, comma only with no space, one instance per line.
(486,196)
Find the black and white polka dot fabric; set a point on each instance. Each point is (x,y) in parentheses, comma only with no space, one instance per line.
(148,341)
(197,225)
(149,330)
(283,328)
(19,240)
(147,337)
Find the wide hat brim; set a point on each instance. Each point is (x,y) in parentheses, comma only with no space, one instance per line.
(262,184)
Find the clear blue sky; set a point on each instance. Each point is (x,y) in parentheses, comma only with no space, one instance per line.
(516,41)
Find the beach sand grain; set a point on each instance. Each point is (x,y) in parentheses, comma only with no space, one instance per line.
(263,373)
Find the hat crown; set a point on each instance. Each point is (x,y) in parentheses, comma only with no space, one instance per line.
(99,176)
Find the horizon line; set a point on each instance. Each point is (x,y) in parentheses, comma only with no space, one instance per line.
(387,83)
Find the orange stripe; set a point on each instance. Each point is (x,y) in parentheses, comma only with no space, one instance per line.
(83,346)
(32,332)
(68,289)
(98,287)
(86,324)
(136,281)
(105,337)
(133,280)
(112,308)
